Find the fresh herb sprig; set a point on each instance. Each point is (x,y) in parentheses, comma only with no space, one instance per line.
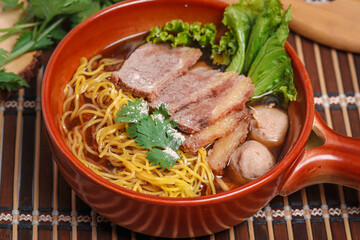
(155,132)
(40,27)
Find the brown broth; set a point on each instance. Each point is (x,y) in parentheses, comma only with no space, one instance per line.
(122,50)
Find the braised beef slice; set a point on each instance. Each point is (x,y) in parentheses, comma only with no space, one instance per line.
(225,146)
(151,66)
(196,116)
(198,83)
(222,127)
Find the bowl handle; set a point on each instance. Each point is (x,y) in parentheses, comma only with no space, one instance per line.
(336,161)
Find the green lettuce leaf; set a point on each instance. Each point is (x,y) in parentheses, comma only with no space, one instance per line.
(239,18)
(265,26)
(180,33)
(271,70)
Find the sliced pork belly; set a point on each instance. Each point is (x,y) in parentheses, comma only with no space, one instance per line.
(196,84)
(221,128)
(196,116)
(151,66)
(225,146)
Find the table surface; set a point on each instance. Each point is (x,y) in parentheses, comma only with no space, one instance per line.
(37,203)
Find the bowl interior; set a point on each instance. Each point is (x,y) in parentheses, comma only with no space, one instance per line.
(119,22)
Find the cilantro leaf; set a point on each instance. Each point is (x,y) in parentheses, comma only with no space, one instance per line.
(53,8)
(10,81)
(151,133)
(22,40)
(11,3)
(176,139)
(3,55)
(165,158)
(163,110)
(26,38)
(58,33)
(95,6)
(80,16)
(39,25)
(154,132)
(133,111)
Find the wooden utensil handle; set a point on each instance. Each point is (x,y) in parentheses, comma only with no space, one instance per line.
(337,161)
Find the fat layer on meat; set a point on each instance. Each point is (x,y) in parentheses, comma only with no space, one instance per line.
(151,66)
(225,146)
(220,129)
(198,83)
(196,116)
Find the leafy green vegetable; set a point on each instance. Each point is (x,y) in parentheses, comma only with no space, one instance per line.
(265,25)
(10,3)
(239,18)
(3,55)
(133,112)
(223,52)
(26,38)
(82,15)
(11,81)
(180,33)
(165,158)
(155,132)
(94,6)
(271,70)
(53,8)
(42,33)
(57,33)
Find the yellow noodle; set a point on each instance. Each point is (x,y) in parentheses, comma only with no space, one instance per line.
(89,112)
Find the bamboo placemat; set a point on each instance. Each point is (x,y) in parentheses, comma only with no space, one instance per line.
(37,203)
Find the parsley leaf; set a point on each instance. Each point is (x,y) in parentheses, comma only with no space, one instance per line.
(26,38)
(11,3)
(154,132)
(165,158)
(3,55)
(53,8)
(96,5)
(133,111)
(58,33)
(10,81)
(39,25)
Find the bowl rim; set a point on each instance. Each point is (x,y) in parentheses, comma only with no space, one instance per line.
(280,167)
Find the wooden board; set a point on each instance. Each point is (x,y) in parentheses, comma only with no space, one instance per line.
(335,24)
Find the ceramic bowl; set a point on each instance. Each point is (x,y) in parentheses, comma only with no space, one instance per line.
(187,217)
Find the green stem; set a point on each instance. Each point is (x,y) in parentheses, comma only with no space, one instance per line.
(50,28)
(19,27)
(7,35)
(44,24)
(29,46)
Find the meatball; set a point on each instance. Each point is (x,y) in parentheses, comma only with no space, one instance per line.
(269,125)
(251,160)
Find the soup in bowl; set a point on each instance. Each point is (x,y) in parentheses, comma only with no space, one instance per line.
(212,205)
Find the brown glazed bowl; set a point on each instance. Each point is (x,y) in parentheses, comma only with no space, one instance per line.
(336,161)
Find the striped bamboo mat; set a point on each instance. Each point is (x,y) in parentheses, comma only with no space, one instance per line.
(36,202)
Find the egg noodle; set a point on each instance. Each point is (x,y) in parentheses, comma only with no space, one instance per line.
(102,144)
